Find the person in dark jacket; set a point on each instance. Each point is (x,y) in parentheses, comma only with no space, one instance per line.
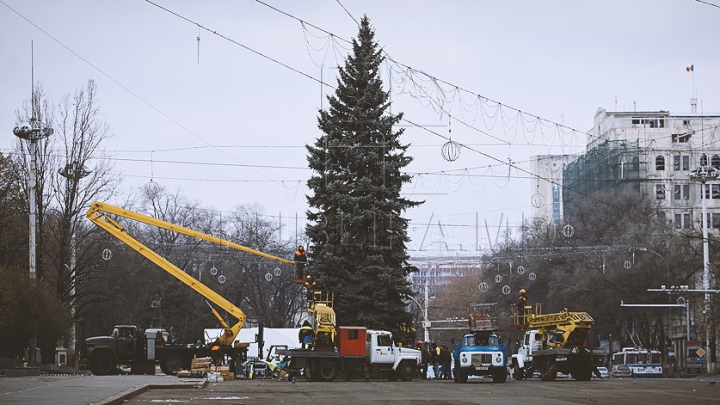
(305,335)
(445,363)
(425,360)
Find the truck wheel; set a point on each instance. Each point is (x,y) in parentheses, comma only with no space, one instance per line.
(406,369)
(462,376)
(500,376)
(326,371)
(103,364)
(518,373)
(171,363)
(391,375)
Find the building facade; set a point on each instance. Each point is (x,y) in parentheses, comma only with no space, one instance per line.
(546,192)
(651,152)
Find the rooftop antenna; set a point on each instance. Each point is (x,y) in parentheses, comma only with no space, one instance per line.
(32,81)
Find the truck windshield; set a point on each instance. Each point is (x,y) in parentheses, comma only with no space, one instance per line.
(493,340)
(384,340)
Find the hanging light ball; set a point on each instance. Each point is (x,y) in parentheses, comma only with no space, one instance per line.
(450,151)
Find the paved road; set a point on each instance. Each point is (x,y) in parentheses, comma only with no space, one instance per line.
(80,389)
(534,392)
(133,390)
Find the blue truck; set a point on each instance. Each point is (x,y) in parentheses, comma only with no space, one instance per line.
(480,351)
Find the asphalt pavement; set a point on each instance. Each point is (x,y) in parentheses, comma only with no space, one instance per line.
(68,389)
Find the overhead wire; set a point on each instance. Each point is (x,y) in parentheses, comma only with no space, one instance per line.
(152,106)
(407,69)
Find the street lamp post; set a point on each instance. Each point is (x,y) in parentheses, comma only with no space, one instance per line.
(32,131)
(703,174)
(644,249)
(426,322)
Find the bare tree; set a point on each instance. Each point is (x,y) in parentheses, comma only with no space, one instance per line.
(82,176)
(266,287)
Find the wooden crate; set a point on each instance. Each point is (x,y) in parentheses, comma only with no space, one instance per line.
(201,364)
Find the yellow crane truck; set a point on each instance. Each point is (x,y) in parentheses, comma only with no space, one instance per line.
(554,343)
(142,349)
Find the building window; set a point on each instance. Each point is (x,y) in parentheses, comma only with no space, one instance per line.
(682,221)
(715,191)
(648,123)
(706,189)
(703,160)
(686,163)
(661,217)
(659,192)
(682,192)
(715,220)
(676,163)
(681,138)
(660,163)
(715,161)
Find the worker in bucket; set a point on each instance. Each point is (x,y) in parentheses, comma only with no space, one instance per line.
(521,304)
(300,262)
(305,334)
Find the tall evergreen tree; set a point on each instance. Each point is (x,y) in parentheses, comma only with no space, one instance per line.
(356,228)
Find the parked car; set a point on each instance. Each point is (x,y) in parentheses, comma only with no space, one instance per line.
(620,371)
(604,373)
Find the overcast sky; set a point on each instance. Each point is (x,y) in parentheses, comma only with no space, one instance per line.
(226,121)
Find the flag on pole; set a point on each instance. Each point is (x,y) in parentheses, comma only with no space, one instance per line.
(690,68)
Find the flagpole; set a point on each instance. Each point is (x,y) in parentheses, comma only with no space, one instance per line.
(692,70)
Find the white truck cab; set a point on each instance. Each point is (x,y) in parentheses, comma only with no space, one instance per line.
(381,353)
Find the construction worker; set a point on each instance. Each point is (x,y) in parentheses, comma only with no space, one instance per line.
(300,262)
(305,334)
(521,304)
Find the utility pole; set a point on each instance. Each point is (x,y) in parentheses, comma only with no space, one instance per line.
(702,174)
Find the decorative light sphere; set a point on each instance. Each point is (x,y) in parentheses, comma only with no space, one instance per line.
(451,151)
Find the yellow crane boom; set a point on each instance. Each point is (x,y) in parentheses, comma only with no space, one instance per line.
(99,214)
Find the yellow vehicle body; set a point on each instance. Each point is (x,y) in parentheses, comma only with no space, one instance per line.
(99,214)
(561,328)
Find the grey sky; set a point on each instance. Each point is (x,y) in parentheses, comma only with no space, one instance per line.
(559,60)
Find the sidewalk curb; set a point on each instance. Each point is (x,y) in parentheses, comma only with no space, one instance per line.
(129,393)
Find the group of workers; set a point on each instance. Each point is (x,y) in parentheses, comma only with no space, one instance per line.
(437,357)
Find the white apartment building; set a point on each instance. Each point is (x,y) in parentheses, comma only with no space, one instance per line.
(652,152)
